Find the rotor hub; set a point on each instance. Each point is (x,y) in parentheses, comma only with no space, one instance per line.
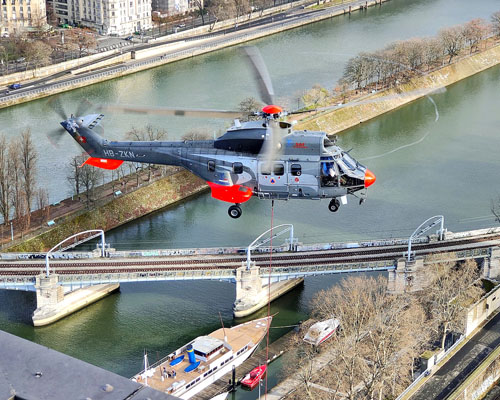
(272,109)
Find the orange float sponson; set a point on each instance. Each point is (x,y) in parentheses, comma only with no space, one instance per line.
(104,163)
(232,194)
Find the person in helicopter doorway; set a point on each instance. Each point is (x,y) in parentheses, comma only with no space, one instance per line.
(328,173)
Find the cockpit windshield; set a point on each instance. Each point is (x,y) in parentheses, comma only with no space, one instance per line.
(350,162)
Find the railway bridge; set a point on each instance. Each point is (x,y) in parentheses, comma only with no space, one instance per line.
(288,265)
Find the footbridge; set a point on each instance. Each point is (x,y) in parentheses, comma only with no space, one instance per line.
(290,261)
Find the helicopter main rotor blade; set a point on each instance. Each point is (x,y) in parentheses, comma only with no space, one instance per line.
(272,147)
(261,74)
(55,104)
(185,112)
(83,107)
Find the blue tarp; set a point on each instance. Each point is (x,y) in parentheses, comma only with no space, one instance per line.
(177,360)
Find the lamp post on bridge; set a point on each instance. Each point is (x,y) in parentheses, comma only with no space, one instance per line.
(103,243)
(439,219)
(254,244)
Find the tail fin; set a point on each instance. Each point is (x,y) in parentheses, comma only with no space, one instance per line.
(81,129)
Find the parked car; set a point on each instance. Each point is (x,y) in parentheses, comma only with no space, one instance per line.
(15,86)
(129,37)
(20,60)
(181,26)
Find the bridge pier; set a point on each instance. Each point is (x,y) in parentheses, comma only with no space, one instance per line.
(407,277)
(53,304)
(252,295)
(491,266)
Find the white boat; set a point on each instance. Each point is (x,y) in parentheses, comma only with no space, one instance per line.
(204,360)
(321,331)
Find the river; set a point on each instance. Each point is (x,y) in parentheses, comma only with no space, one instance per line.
(451,172)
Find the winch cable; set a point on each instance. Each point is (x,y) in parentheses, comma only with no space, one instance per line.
(269,294)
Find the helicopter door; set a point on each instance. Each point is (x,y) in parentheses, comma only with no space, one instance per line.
(273,182)
(302,178)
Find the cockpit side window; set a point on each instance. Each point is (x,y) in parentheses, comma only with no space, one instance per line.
(349,161)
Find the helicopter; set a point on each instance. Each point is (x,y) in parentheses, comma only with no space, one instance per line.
(263,157)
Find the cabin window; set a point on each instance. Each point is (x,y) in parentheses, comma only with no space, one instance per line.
(238,168)
(265,170)
(279,169)
(296,169)
(211,165)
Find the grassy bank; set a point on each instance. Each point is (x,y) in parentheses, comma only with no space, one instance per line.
(121,210)
(344,118)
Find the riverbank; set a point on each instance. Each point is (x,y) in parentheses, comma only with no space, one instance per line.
(342,119)
(133,61)
(120,210)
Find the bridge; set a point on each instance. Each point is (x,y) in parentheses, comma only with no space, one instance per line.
(291,262)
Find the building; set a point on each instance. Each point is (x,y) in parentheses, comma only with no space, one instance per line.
(108,17)
(173,7)
(22,15)
(31,371)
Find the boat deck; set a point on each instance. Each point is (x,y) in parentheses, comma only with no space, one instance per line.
(249,333)
(276,349)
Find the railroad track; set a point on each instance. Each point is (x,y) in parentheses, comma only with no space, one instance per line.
(301,259)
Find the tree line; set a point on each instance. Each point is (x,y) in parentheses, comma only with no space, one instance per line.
(382,335)
(41,48)
(399,61)
(19,193)
(85,179)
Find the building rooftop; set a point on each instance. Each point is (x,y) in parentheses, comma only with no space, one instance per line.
(31,371)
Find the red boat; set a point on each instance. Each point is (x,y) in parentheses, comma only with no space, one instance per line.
(253,378)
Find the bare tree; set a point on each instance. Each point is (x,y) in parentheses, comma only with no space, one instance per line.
(38,53)
(196,134)
(433,52)
(242,7)
(474,32)
(355,71)
(248,107)
(316,96)
(28,160)
(74,174)
(90,177)
(14,166)
(222,10)
(495,22)
(43,203)
(380,337)
(148,133)
(82,40)
(449,294)
(451,41)
(5,181)
(200,9)
(495,208)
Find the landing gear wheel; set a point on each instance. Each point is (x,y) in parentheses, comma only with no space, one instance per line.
(334,205)
(234,211)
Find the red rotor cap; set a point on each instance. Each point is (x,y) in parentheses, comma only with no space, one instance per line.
(369,178)
(272,109)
